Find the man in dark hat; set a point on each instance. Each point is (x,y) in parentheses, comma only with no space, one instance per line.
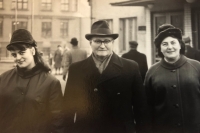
(104,93)
(191,52)
(74,55)
(140,58)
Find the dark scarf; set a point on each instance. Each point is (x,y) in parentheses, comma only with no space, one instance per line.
(22,72)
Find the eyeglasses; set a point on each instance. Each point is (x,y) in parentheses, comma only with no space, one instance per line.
(100,41)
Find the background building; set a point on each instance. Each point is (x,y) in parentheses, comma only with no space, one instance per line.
(51,22)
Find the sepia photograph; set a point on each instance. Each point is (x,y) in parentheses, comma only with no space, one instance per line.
(99,66)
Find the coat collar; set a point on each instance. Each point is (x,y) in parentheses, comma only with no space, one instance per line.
(27,74)
(175,65)
(112,70)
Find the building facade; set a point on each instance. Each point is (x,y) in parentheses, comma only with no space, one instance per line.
(51,22)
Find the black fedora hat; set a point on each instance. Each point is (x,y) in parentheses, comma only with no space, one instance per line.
(101,28)
(133,43)
(22,36)
(73,40)
(166,30)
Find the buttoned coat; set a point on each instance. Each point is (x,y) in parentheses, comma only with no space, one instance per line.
(102,103)
(140,58)
(173,94)
(30,102)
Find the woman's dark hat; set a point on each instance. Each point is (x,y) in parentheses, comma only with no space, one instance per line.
(22,36)
(73,40)
(166,30)
(101,28)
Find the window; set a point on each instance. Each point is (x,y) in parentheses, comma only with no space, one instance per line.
(128,32)
(1,4)
(46,29)
(64,29)
(19,25)
(21,4)
(64,5)
(1,27)
(46,5)
(74,5)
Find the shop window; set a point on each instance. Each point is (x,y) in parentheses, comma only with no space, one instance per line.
(46,5)
(19,25)
(1,4)
(46,29)
(21,4)
(64,5)
(64,29)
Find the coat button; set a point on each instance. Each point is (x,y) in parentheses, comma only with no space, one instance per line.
(95,89)
(22,93)
(179,124)
(176,105)
(118,93)
(173,86)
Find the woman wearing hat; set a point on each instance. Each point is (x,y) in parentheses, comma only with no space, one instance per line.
(30,97)
(173,86)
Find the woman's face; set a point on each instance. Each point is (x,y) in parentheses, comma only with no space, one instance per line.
(170,47)
(24,59)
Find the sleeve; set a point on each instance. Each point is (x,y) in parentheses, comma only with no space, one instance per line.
(139,103)
(150,99)
(55,107)
(70,101)
(66,62)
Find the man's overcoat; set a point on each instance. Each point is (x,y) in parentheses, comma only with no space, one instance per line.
(103,103)
(140,58)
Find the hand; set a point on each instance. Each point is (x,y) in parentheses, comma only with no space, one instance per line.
(64,77)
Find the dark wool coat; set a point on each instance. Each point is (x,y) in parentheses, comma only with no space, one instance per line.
(140,59)
(173,92)
(102,103)
(30,102)
(192,53)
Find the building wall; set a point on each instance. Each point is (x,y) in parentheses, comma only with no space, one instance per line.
(34,15)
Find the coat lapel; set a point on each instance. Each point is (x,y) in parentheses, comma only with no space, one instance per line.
(112,70)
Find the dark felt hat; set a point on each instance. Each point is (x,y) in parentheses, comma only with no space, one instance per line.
(166,30)
(73,40)
(101,28)
(186,39)
(22,36)
(133,43)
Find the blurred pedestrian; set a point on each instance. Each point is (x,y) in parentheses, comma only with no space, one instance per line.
(74,55)
(172,85)
(65,49)
(191,52)
(57,60)
(104,93)
(30,97)
(140,58)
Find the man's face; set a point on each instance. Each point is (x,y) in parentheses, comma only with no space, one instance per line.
(101,46)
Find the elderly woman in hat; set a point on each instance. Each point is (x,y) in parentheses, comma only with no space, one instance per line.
(30,97)
(173,86)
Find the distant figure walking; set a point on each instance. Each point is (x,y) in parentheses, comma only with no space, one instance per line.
(58,59)
(74,55)
(191,52)
(140,58)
